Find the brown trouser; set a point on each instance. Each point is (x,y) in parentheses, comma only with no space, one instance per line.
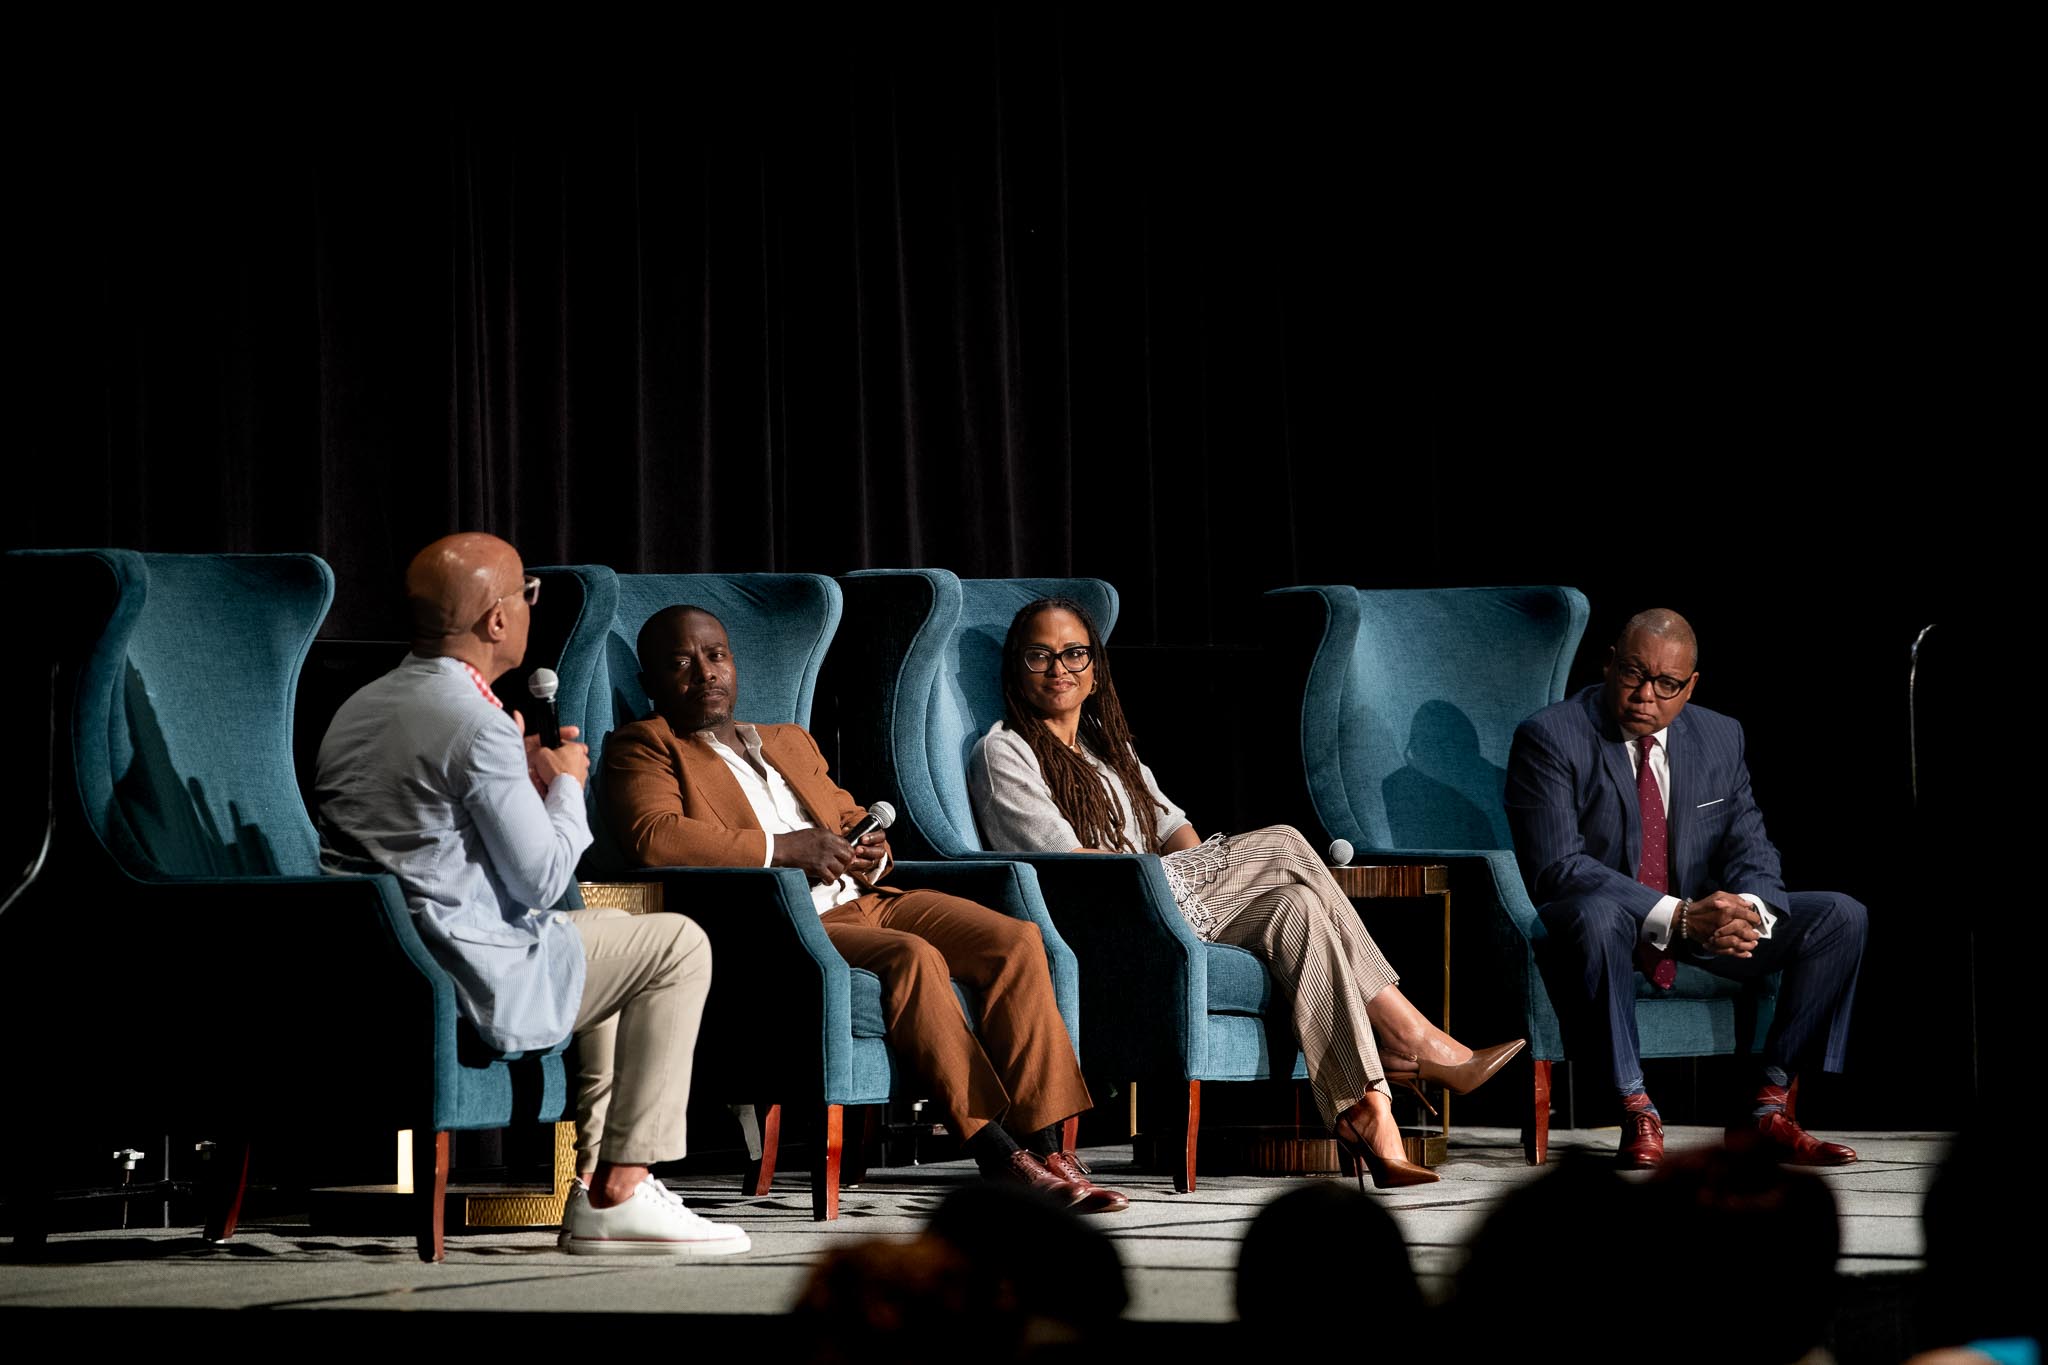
(1022,1070)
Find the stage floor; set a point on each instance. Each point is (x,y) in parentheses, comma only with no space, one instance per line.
(1178,1251)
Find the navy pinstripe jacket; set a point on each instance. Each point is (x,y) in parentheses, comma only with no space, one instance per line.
(1571,798)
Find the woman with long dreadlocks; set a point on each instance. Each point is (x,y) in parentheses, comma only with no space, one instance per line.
(1059,774)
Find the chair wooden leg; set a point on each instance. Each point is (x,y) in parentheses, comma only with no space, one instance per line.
(825,1166)
(1070,1133)
(1536,1127)
(1186,1128)
(430,1192)
(761,1174)
(222,1186)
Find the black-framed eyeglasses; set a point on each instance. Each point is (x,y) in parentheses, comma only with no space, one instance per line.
(1664,685)
(1075,658)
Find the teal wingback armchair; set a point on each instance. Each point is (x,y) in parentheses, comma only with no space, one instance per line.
(236,989)
(1409,701)
(788,1021)
(920,680)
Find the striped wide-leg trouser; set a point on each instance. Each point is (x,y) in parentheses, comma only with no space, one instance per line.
(1268,892)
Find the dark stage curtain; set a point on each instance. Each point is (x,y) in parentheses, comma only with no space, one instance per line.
(1005,294)
(1201,308)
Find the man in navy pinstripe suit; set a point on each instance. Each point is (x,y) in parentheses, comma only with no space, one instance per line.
(1642,847)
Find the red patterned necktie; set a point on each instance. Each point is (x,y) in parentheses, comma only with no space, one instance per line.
(1655,869)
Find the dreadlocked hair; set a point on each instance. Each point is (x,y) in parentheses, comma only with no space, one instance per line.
(1077,789)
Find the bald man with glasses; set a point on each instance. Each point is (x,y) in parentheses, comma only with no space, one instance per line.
(425,775)
(1642,848)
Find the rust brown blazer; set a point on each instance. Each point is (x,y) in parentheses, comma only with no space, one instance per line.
(671,802)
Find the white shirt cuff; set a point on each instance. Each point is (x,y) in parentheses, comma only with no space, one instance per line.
(1763,913)
(1657,924)
(769,859)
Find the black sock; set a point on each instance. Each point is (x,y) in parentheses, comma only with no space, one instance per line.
(991,1148)
(1046,1140)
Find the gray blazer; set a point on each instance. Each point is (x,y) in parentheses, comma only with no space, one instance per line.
(420,776)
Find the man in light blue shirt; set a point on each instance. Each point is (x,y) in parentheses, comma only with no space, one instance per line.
(423,774)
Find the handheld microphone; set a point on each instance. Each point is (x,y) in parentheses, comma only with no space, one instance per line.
(1340,853)
(881,815)
(541,685)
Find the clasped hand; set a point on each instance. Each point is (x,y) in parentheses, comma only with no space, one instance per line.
(1724,924)
(543,766)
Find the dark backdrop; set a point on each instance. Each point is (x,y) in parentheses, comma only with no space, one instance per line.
(1203,310)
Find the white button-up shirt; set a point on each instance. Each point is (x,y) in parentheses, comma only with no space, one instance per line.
(779,810)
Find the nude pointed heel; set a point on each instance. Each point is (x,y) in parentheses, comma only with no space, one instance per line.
(1358,1157)
(1462,1079)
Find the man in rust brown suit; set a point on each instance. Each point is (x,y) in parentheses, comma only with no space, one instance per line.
(692,786)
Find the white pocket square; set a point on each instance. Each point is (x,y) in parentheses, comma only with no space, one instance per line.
(1715,802)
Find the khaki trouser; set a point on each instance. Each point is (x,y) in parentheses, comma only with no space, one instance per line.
(645,980)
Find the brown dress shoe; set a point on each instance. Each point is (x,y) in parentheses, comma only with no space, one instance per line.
(1068,1167)
(1792,1143)
(1642,1139)
(1027,1170)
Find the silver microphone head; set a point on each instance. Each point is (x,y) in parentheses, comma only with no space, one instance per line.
(542,684)
(884,813)
(1340,853)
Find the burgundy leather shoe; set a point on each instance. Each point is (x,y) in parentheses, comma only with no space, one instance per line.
(1068,1167)
(1642,1140)
(1025,1169)
(1793,1144)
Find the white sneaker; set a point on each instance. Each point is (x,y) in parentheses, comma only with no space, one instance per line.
(653,1222)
